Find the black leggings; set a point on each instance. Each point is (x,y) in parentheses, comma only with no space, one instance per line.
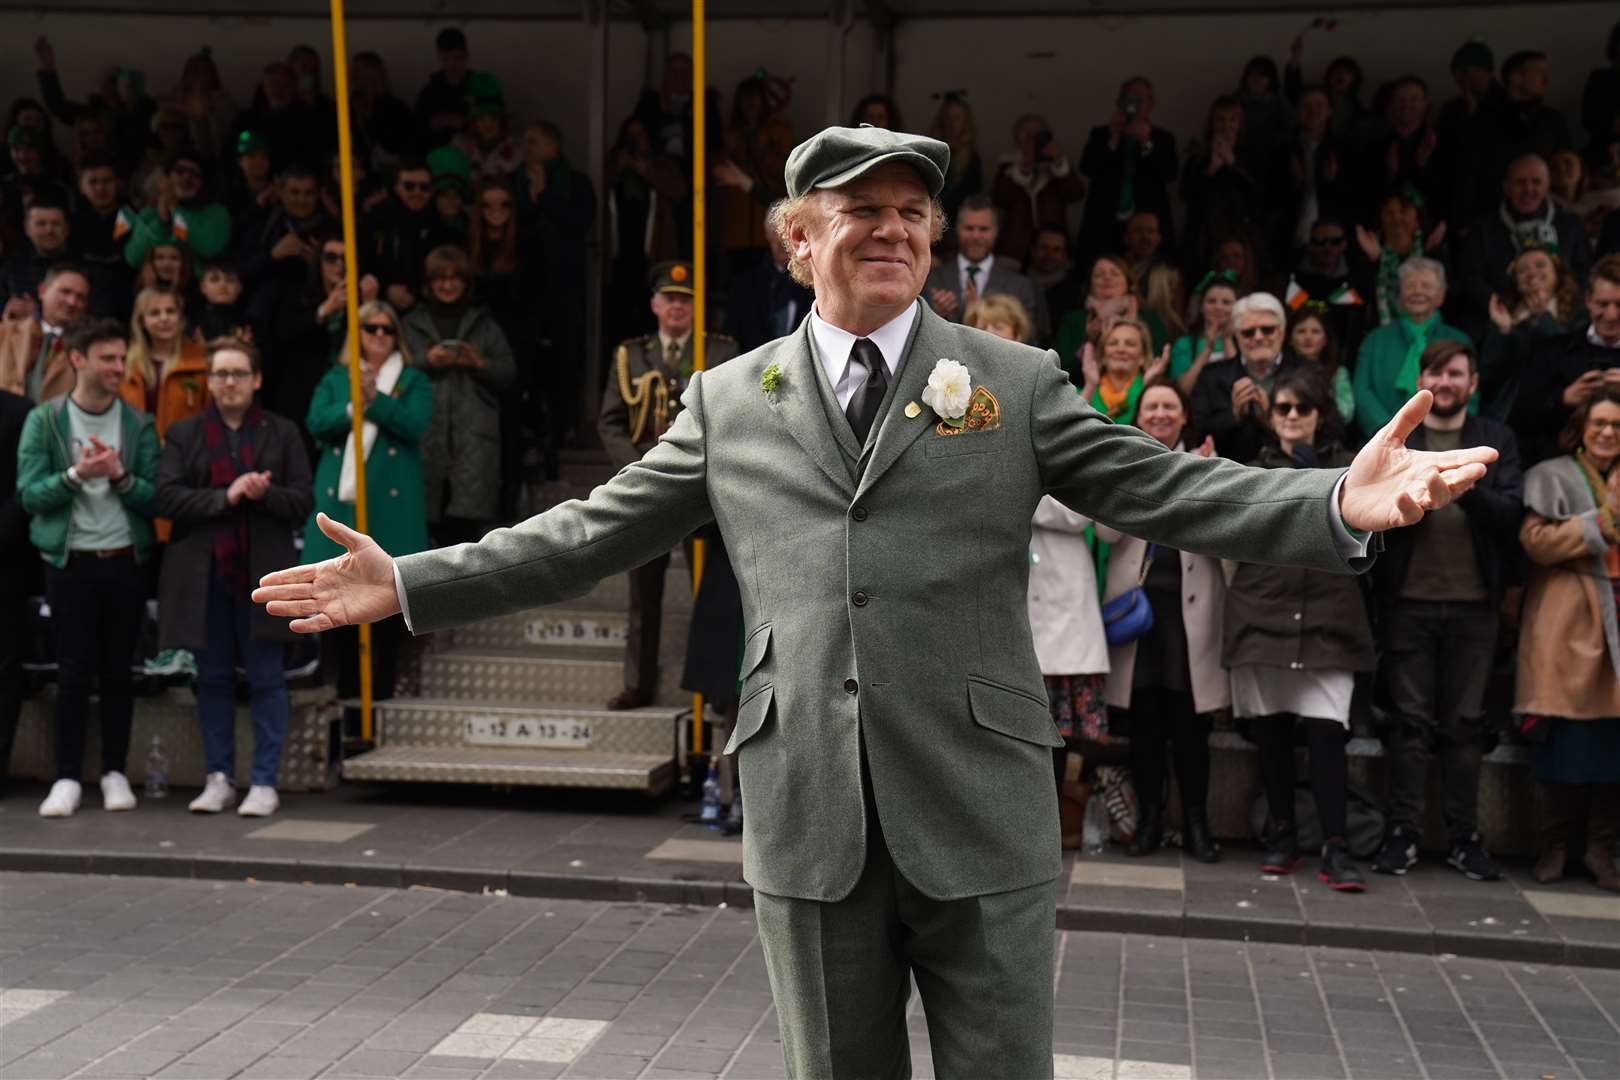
(1160,715)
(1329,772)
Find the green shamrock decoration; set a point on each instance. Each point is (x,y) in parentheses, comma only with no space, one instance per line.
(771,378)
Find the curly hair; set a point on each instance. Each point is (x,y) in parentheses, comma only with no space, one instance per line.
(804,210)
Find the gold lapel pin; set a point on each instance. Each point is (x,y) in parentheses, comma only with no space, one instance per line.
(913,410)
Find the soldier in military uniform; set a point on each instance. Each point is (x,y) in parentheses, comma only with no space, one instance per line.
(639,404)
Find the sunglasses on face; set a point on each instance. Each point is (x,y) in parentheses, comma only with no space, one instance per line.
(1292,408)
(1248,333)
(417,186)
(378,329)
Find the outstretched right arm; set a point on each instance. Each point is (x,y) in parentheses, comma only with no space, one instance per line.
(645,510)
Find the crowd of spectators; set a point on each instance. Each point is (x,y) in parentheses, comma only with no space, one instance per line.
(1270,289)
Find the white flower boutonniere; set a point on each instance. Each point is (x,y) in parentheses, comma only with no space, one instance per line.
(948,392)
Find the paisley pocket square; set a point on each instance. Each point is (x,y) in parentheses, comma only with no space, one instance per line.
(983,414)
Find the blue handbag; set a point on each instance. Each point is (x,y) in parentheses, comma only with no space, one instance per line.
(1128,616)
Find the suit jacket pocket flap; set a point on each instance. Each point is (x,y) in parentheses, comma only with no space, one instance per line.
(754,652)
(1017,713)
(751,716)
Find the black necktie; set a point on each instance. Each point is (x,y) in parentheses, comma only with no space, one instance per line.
(863,407)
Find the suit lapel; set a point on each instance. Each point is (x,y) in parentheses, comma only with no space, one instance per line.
(798,401)
(899,431)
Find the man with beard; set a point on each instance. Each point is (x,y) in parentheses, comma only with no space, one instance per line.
(1439,586)
(976,271)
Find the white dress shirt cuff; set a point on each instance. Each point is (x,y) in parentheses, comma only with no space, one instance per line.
(1352,544)
(404,604)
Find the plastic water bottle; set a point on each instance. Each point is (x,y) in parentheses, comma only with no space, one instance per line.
(157,771)
(709,813)
(1094,828)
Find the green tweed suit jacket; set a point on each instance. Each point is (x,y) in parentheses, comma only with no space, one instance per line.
(884,592)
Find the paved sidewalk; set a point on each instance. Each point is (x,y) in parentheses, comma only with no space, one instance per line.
(600,847)
(168,978)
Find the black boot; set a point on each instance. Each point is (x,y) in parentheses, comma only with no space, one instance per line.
(1149,831)
(1196,840)
(1282,848)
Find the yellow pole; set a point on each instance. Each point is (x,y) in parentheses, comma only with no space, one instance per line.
(700,166)
(351,344)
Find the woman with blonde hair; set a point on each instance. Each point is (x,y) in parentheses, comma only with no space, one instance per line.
(998,314)
(166,372)
(398,403)
(1165,294)
(1116,369)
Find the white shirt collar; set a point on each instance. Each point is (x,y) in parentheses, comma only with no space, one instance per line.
(665,342)
(833,348)
(1593,337)
(962,264)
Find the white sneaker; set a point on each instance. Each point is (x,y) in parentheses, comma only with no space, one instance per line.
(216,795)
(115,793)
(63,799)
(261,801)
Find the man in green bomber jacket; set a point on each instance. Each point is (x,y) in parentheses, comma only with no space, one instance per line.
(86,471)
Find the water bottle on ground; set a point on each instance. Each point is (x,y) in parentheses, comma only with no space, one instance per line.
(709,812)
(157,771)
(1094,827)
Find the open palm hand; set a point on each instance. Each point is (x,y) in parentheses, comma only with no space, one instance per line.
(1389,485)
(355,587)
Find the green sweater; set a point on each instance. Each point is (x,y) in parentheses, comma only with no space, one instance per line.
(208,232)
(46,492)
(1378,365)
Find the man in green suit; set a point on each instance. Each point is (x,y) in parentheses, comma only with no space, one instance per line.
(874,475)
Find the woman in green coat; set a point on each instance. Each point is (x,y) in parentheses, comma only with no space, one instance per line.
(399,405)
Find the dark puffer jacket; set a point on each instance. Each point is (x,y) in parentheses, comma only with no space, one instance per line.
(1292,618)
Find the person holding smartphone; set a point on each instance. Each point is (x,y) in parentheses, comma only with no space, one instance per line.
(469,360)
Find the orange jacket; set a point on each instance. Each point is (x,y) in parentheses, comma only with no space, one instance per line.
(20,341)
(183,393)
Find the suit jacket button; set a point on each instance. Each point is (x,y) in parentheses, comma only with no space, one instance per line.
(859,599)
(851,686)
(859,513)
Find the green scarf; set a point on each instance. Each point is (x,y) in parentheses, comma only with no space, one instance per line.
(1127,410)
(1419,334)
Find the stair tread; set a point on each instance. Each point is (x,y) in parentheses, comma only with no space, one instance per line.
(526,655)
(509,706)
(507,755)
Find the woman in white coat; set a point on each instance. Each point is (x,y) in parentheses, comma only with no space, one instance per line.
(1066,622)
(1171,678)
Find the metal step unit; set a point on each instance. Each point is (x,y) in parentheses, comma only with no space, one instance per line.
(479,742)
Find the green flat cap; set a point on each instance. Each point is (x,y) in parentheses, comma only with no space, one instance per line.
(837,155)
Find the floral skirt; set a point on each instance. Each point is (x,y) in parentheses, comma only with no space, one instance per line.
(1078,707)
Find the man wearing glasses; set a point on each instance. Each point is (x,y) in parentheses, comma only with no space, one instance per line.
(1232,401)
(1323,275)
(235,482)
(397,236)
